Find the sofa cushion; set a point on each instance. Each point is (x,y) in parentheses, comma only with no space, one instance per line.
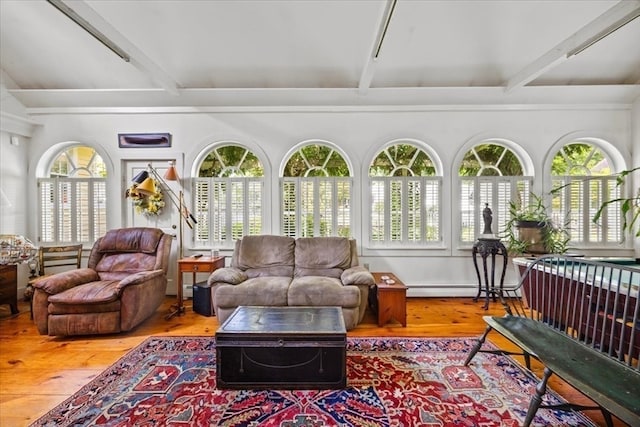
(269,291)
(265,255)
(322,256)
(322,290)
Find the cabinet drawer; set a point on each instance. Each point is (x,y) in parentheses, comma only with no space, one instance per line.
(196,267)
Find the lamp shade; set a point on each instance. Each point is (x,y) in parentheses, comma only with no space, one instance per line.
(16,249)
(171,174)
(147,187)
(139,178)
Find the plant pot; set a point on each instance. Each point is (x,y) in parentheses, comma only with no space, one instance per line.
(530,232)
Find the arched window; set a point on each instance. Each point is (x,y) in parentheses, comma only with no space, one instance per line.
(316,193)
(228,196)
(405,196)
(72,199)
(582,179)
(490,174)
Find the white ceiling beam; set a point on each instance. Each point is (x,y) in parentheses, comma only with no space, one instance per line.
(614,18)
(130,52)
(369,68)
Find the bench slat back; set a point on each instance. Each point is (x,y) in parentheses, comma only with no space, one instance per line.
(595,303)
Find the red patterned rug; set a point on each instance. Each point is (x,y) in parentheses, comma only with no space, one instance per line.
(171,381)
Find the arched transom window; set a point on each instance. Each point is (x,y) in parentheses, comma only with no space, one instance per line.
(72,199)
(316,193)
(229,194)
(405,197)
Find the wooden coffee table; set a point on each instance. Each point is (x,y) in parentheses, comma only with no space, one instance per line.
(282,348)
(391,298)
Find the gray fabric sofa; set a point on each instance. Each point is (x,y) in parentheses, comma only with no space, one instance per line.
(270,270)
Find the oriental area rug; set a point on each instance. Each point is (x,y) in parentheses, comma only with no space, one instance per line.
(171,381)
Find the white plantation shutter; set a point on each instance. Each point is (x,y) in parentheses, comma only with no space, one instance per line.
(579,199)
(405,210)
(496,192)
(72,210)
(227,209)
(318,206)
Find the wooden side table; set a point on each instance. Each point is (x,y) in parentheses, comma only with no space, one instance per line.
(9,286)
(193,265)
(392,298)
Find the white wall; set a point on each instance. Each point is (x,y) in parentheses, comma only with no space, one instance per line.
(446,271)
(15,208)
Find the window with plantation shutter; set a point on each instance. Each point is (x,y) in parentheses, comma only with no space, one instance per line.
(228,196)
(73,200)
(405,198)
(582,181)
(495,192)
(316,207)
(316,193)
(490,175)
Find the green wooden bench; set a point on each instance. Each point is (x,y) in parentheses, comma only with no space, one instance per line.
(579,318)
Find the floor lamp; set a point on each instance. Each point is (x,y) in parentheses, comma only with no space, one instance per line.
(146,186)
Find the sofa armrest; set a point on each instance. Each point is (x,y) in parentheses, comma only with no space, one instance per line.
(231,275)
(139,278)
(66,280)
(357,275)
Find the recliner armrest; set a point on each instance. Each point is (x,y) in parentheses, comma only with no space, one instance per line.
(138,278)
(229,275)
(66,280)
(357,275)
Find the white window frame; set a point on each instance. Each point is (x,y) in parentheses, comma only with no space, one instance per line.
(294,209)
(583,231)
(61,211)
(387,195)
(215,228)
(490,190)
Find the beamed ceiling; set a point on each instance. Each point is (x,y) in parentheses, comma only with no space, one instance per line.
(185,54)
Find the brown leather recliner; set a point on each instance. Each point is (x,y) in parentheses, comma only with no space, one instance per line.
(124,283)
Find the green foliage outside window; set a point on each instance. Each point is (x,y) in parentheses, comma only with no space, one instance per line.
(229,161)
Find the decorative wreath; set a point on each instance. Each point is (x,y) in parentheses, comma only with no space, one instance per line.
(147,205)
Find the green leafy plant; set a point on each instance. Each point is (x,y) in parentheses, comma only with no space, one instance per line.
(629,206)
(546,237)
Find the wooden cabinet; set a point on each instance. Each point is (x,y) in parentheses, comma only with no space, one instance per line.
(391,295)
(9,286)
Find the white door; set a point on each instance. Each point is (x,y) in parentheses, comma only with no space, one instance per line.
(167,220)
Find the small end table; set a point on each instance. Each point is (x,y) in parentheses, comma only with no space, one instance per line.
(193,265)
(391,296)
(485,247)
(9,286)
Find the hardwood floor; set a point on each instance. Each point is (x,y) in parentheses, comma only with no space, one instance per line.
(38,372)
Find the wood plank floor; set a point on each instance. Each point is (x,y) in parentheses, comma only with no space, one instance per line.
(38,372)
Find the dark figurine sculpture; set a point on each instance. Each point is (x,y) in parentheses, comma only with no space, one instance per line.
(488,218)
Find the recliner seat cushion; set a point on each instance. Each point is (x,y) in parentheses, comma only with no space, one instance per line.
(269,291)
(321,291)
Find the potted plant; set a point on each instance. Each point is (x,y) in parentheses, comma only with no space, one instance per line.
(530,229)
